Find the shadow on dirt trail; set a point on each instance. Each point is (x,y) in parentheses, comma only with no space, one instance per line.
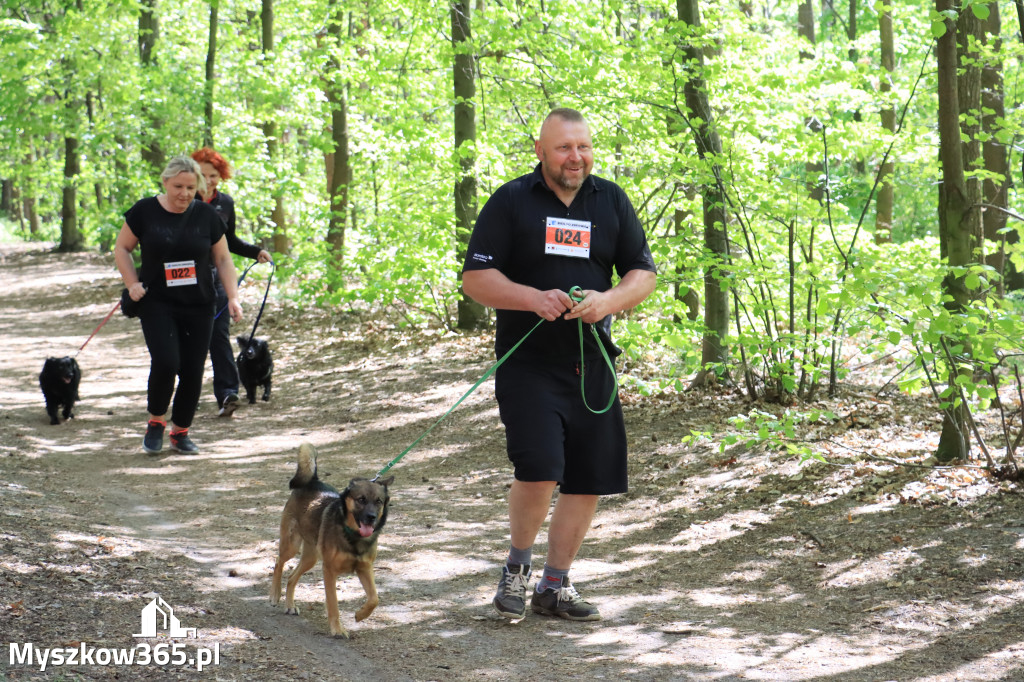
(714,566)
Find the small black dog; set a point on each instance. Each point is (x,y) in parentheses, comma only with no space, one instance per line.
(59,380)
(255,365)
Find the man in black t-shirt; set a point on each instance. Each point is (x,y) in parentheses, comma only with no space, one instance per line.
(536,238)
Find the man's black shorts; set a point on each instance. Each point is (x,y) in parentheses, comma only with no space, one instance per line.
(552,436)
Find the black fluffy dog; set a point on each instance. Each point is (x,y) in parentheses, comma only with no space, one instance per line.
(255,365)
(59,380)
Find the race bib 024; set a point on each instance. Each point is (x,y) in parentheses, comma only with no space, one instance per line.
(566,237)
(180,273)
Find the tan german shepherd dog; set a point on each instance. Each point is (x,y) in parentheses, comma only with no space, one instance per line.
(339,529)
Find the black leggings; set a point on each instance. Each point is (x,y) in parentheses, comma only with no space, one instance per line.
(222,354)
(178,339)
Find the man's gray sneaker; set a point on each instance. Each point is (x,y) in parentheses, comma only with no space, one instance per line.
(564,602)
(511,597)
(229,405)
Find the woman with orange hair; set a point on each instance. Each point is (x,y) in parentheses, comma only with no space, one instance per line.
(225,373)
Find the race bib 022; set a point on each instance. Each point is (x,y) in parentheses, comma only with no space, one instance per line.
(180,273)
(566,237)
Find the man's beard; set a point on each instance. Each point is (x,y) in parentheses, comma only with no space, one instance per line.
(564,182)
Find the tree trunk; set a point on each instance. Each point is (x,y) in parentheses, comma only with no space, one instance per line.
(28,196)
(851,31)
(211,74)
(70,234)
(970,33)
(339,178)
(6,196)
(149,34)
(996,156)
(682,221)
(684,293)
(71,238)
(957,216)
(471,315)
(813,169)
(31,211)
(17,207)
(121,170)
(886,194)
(854,57)
(278,216)
(714,352)
(99,190)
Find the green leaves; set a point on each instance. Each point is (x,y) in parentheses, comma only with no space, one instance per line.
(939,21)
(778,431)
(625,65)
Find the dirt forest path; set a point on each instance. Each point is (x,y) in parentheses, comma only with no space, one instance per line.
(715,566)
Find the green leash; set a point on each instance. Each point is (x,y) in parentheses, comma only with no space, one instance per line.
(577,295)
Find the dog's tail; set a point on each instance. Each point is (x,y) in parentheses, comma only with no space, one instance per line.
(305,473)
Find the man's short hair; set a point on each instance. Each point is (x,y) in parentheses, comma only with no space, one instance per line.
(567,114)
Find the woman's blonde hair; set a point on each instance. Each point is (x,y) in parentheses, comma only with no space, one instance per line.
(185,164)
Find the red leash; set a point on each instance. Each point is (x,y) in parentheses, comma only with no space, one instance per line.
(99,326)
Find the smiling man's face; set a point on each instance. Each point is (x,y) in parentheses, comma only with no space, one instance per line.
(566,153)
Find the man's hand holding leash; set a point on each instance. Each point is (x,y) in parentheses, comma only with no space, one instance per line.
(591,308)
(552,303)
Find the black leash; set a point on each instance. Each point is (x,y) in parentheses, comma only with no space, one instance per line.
(239,283)
(266,292)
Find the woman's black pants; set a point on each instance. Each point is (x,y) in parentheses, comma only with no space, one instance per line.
(178,338)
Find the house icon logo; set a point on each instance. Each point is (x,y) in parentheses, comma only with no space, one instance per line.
(170,623)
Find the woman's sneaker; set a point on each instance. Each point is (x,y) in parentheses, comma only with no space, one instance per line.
(564,602)
(511,597)
(153,441)
(180,442)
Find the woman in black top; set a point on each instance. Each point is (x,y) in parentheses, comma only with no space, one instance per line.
(215,168)
(180,239)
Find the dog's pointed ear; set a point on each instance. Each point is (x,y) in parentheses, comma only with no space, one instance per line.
(387,481)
